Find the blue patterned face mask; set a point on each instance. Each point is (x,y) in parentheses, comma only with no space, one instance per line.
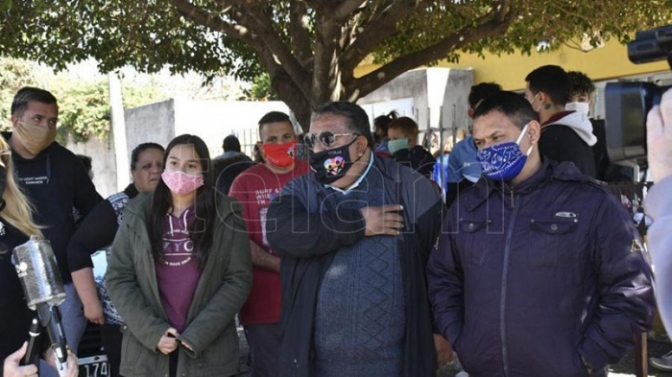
(503,162)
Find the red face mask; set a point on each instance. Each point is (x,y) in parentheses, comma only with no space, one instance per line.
(280,155)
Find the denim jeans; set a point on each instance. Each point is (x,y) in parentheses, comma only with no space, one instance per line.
(74,324)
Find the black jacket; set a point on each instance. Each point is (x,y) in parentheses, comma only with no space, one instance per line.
(96,232)
(527,280)
(568,136)
(417,159)
(227,169)
(55,181)
(306,256)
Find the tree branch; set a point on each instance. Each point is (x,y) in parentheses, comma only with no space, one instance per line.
(378,30)
(370,82)
(504,9)
(344,10)
(298,25)
(572,14)
(213,22)
(263,27)
(338,11)
(287,90)
(325,65)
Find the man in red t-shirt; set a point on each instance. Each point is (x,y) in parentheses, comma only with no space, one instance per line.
(255,188)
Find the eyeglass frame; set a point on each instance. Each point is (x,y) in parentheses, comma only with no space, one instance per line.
(311,144)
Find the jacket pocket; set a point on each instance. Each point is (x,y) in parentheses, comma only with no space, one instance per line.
(553,243)
(474,236)
(130,349)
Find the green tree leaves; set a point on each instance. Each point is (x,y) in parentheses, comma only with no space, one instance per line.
(84,109)
(309,49)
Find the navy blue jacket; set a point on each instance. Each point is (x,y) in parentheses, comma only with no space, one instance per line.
(525,282)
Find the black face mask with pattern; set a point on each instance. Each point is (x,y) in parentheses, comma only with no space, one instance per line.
(331,165)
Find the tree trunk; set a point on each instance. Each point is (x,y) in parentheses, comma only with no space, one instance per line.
(302,115)
(289,94)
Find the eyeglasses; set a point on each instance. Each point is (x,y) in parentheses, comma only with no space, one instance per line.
(326,138)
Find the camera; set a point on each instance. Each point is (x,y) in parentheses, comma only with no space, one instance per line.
(628,103)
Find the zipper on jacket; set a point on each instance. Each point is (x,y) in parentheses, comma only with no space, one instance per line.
(505,270)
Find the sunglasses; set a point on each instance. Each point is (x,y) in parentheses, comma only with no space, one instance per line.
(326,138)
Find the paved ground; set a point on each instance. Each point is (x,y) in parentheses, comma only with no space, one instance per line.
(626,368)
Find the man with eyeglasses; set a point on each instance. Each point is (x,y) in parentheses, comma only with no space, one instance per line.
(354,236)
(255,188)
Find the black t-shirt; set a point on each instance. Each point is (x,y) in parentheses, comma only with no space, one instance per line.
(55,181)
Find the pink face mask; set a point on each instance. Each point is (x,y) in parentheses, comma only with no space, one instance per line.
(182,183)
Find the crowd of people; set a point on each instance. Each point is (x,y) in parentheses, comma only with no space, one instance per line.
(342,251)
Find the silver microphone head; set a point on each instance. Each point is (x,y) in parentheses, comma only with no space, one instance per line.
(38,272)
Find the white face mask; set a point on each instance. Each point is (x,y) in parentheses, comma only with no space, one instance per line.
(581,107)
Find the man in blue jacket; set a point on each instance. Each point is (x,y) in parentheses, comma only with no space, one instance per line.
(539,270)
(355,237)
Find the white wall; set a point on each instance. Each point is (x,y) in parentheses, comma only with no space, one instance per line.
(151,123)
(214,120)
(438,97)
(161,122)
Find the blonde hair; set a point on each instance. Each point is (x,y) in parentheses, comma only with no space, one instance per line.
(18,211)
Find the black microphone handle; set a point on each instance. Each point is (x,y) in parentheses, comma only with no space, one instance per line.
(32,353)
(50,318)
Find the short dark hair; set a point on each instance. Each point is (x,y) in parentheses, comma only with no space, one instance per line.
(231,143)
(273,117)
(480,91)
(357,119)
(552,80)
(579,83)
(512,105)
(137,151)
(27,94)
(406,125)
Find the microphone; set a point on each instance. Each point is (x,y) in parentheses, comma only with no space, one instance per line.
(40,278)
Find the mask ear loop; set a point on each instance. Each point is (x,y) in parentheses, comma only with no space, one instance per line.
(522,133)
(520,137)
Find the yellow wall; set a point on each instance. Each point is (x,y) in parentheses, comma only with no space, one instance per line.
(608,62)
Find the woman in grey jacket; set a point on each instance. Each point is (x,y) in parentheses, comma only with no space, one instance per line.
(179,271)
